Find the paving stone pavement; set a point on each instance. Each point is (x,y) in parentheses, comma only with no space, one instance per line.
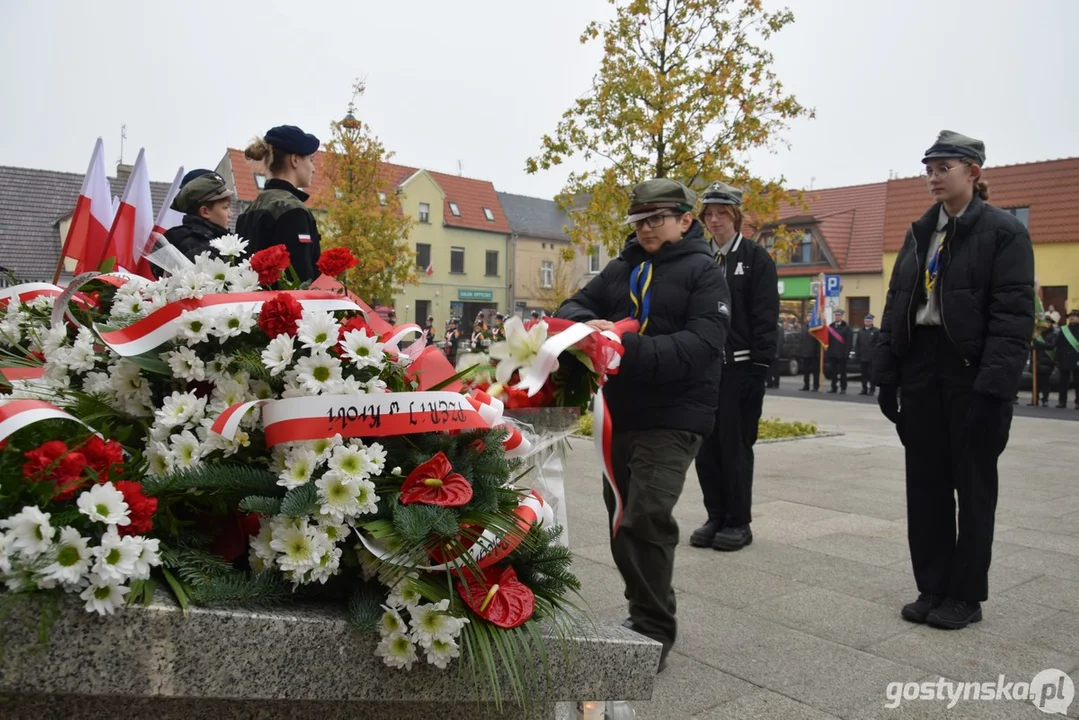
(805,622)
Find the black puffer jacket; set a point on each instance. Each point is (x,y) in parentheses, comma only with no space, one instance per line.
(754,287)
(669,377)
(1067,356)
(193,237)
(986,291)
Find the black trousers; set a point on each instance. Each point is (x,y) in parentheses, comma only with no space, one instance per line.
(945,463)
(867,376)
(837,368)
(811,369)
(1043,384)
(773,374)
(1066,380)
(650,471)
(725,462)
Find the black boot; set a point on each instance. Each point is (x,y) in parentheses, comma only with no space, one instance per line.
(864,392)
(804,389)
(955,614)
(919,610)
(732,538)
(843,391)
(833,391)
(703,536)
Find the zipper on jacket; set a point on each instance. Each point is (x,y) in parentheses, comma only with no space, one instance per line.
(917,279)
(943,320)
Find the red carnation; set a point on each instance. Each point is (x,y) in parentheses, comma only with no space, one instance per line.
(142,508)
(53,462)
(336,261)
(270,263)
(102,456)
(279,315)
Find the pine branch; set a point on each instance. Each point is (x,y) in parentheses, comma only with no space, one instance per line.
(196,567)
(416,523)
(218,477)
(544,565)
(240,590)
(301,501)
(365,608)
(261,505)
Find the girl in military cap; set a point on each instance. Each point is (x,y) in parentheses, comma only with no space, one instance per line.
(278,216)
(954,338)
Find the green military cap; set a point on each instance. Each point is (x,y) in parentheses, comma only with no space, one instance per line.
(654,196)
(720,193)
(202,190)
(951,144)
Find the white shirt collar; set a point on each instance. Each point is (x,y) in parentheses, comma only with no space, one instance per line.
(732,243)
(943,217)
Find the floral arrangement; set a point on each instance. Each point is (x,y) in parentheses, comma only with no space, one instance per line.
(240,439)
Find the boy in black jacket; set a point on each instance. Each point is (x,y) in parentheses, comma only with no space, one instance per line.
(662,402)
(725,462)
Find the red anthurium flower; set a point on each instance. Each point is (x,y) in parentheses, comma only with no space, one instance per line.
(497,596)
(435,483)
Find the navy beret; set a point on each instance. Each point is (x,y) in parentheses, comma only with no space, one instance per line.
(194,174)
(292,139)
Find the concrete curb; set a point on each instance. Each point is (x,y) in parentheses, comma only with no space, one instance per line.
(815,436)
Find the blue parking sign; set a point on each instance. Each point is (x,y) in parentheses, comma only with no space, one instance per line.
(831,285)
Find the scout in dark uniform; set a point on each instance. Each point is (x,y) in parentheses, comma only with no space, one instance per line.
(839,336)
(865,342)
(1067,357)
(725,462)
(662,402)
(206,203)
(278,216)
(954,338)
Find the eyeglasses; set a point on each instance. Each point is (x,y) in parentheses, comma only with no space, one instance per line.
(653,222)
(942,172)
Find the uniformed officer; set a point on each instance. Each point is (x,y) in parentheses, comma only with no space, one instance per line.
(864,344)
(278,216)
(839,337)
(725,461)
(206,202)
(954,338)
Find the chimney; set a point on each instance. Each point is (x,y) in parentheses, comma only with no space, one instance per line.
(123,172)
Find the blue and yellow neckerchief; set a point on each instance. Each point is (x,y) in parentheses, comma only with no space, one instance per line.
(640,292)
(932,268)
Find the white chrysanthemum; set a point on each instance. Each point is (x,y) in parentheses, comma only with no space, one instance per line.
(376,458)
(234,322)
(189,284)
(432,621)
(186,364)
(115,559)
(363,349)
(5,553)
(29,532)
(317,330)
(329,562)
(96,383)
(186,450)
(338,496)
(397,651)
(213,268)
(335,532)
(72,561)
(278,354)
(441,652)
(300,463)
(260,390)
(318,372)
(391,623)
(375,386)
(104,503)
(243,279)
(350,460)
(228,392)
(347,386)
(82,357)
(104,596)
(129,307)
(195,326)
(324,447)
(404,595)
(149,556)
(219,368)
(159,457)
(260,544)
(229,246)
(180,409)
(366,497)
(299,550)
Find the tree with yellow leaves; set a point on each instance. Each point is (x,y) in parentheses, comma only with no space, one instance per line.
(684,91)
(361,211)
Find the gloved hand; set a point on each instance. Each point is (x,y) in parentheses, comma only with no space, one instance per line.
(987,421)
(888,400)
(755,381)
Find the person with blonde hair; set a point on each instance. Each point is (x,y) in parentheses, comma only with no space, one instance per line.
(954,339)
(279,216)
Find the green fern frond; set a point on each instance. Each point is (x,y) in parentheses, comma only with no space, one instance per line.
(261,505)
(226,478)
(300,502)
(241,590)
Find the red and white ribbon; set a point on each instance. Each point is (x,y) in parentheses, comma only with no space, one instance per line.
(399,333)
(602,436)
(17,414)
(22,373)
(162,325)
(28,291)
(491,409)
(488,548)
(546,362)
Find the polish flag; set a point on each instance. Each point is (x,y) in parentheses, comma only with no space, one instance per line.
(134,221)
(90,222)
(430,270)
(167,218)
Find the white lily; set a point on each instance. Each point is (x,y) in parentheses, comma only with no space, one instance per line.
(519,349)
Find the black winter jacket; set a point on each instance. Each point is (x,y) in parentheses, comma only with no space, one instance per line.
(839,350)
(986,291)
(669,377)
(865,343)
(754,287)
(193,237)
(808,347)
(1045,346)
(279,217)
(1067,357)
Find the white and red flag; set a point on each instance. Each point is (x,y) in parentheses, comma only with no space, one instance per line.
(134,221)
(88,233)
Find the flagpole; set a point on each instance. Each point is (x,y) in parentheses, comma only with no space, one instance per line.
(1034,376)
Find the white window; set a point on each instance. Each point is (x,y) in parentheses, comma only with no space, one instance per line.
(488,214)
(260,181)
(593,261)
(382,198)
(547,273)
(425,213)
(455,210)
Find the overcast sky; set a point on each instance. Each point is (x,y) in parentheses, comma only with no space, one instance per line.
(480,81)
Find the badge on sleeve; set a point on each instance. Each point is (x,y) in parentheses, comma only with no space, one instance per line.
(305,238)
